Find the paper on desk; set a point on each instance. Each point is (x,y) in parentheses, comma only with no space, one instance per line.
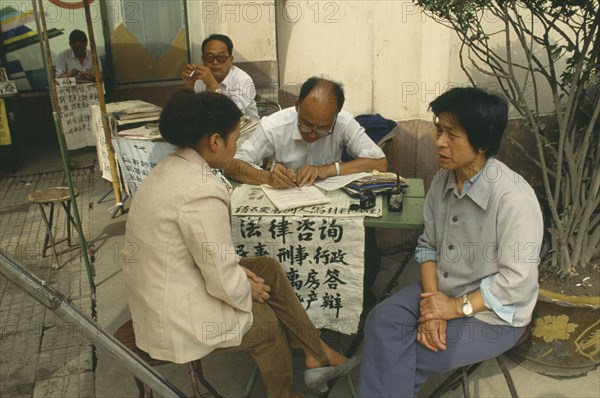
(336,182)
(251,200)
(290,198)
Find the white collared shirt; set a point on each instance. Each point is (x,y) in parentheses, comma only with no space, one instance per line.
(66,61)
(277,135)
(238,86)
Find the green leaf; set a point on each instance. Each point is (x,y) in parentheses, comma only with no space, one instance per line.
(556,52)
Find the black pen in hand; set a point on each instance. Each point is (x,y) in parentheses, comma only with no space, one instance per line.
(274,164)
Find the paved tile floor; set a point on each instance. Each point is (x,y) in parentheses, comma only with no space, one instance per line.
(39,354)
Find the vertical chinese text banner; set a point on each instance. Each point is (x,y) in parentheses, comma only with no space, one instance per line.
(323,258)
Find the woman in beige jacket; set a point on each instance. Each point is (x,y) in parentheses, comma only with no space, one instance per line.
(189,294)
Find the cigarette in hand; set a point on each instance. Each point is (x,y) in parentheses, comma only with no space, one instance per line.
(192,72)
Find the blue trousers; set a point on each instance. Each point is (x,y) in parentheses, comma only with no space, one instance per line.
(394,364)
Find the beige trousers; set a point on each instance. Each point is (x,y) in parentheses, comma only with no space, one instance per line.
(279,324)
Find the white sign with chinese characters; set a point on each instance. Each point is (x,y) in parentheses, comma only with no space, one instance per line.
(137,158)
(323,258)
(98,130)
(101,145)
(75,114)
(7,87)
(65,81)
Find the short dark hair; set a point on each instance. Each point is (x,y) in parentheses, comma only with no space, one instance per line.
(481,114)
(223,38)
(314,81)
(77,35)
(188,117)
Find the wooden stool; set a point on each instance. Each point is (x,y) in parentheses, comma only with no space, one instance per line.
(125,334)
(48,197)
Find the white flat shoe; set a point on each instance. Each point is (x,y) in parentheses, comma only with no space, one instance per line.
(316,379)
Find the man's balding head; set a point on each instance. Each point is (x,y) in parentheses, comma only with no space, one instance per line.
(322,91)
(318,104)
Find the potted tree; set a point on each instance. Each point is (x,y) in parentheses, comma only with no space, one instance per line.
(532,50)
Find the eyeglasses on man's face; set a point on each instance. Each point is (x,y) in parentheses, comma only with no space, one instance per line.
(210,58)
(321,133)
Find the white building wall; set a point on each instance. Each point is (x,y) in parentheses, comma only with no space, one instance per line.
(250,24)
(392,59)
(332,39)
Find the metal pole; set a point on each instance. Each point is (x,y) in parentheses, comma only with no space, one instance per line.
(101,101)
(108,74)
(187,32)
(56,302)
(43,39)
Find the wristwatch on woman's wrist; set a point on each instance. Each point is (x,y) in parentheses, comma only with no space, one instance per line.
(467,307)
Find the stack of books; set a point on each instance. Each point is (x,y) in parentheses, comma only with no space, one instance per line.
(138,113)
(148,132)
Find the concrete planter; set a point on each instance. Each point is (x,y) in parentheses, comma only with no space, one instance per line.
(565,336)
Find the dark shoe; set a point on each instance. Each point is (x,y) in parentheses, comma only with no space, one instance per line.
(316,379)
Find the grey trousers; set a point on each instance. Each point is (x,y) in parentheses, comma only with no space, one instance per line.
(394,364)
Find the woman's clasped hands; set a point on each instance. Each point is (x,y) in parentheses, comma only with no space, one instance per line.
(435,308)
(260,291)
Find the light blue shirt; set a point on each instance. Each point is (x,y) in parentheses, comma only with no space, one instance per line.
(488,236)
(423,254)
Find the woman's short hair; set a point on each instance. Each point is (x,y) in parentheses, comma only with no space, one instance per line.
(187,117)
(481,114)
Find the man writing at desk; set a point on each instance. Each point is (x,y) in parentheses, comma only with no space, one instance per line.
(218,74)
(306,141)
(77,61)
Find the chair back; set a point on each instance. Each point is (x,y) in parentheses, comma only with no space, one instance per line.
(266,106)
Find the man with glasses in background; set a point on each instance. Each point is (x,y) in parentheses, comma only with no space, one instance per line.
(306,142)
(218,74)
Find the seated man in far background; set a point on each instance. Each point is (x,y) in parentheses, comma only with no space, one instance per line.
(306,142)
(77,61)
(218,74)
